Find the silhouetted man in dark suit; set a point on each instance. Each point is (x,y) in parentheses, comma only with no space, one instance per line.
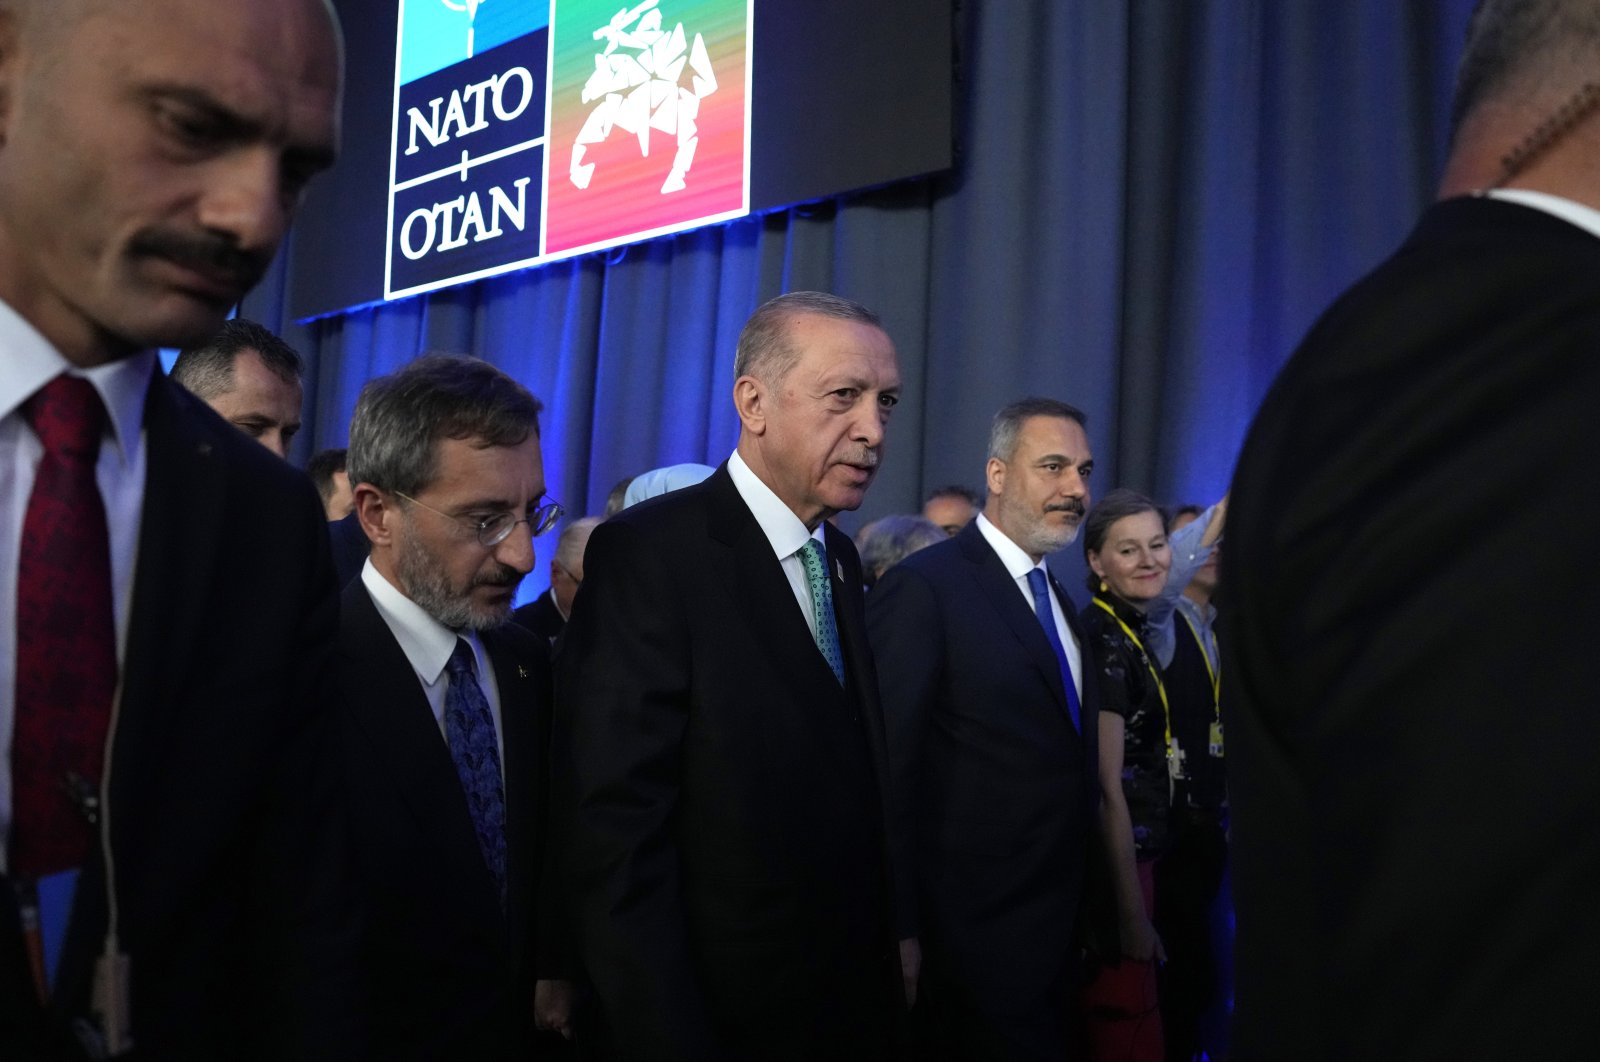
(721,726)
(1411,608)
(994,781)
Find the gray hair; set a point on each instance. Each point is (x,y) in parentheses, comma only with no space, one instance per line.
(1008,422)
(891,539)
(206,371)
(400,418)
(574,539)
(764,349)
(1517,43)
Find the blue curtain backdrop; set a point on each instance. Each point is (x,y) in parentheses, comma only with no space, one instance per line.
(1152,201)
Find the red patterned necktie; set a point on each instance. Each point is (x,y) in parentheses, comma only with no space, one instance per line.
(66,635)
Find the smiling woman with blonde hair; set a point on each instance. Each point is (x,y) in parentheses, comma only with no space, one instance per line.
(1125,544)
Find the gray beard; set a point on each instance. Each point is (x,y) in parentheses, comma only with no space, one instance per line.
(427,584)
(1044,542)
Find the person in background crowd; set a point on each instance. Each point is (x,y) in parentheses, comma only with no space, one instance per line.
(1125,544)
(952,508)
(166,791)
(251,378)
(328,475)
(719,727)
(659,481)
(617,498)
(1191,907)
(547,614)
(445,714)
(889,540)
(993,783)
(1410,607)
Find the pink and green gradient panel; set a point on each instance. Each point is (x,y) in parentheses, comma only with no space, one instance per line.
(624,196)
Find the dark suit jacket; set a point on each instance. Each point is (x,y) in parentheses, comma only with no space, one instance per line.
(229,854)
(453,975)
(350,547)
(541,616)
(727,851)
(1411,721)
(993,788)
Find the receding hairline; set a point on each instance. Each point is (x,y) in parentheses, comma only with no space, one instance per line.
(62,16)
(766,350)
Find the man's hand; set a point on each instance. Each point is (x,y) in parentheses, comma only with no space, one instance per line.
(552,1007)
(910,968)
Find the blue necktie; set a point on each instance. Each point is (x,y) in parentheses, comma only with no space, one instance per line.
(469,728)
(1047,619)
(822,606)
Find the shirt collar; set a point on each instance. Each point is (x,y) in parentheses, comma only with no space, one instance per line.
(427,643)
(1205,614)
(31,362)
(1014,557)
(1585,217)
(778,522)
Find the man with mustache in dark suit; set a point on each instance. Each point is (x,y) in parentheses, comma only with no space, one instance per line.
(162,703)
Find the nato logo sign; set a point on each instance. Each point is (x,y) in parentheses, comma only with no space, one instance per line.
(529,131)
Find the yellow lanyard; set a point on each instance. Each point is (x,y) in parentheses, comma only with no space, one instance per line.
(1216,679)
(1161,688)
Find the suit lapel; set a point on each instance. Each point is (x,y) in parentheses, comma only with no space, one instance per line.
(395,719)
(760,589)
(849,609)
(1001,590)
(179,530)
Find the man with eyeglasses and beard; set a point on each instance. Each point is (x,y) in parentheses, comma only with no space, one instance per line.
(445,711)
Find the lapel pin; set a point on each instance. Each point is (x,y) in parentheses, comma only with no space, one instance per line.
(522,672)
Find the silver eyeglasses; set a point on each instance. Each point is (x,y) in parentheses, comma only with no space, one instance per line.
(495,529)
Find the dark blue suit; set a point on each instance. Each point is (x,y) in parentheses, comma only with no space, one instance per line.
(992,800)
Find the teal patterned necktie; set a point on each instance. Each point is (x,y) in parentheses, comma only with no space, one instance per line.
(822,606)
(469,728)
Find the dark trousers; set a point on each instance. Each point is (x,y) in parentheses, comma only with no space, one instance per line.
(1188,883)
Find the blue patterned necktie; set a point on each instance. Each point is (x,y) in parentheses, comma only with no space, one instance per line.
(822,606)
(1047,619)
(469,728)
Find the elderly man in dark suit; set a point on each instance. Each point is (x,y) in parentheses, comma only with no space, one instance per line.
(159,698)
(981,668)
(1411,597)
(445,708)
(721,726)
(547,614)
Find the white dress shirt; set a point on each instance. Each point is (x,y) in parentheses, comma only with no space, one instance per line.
(1018,564)
(27,363)
(783,530)
(1585,217)
(428,645)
